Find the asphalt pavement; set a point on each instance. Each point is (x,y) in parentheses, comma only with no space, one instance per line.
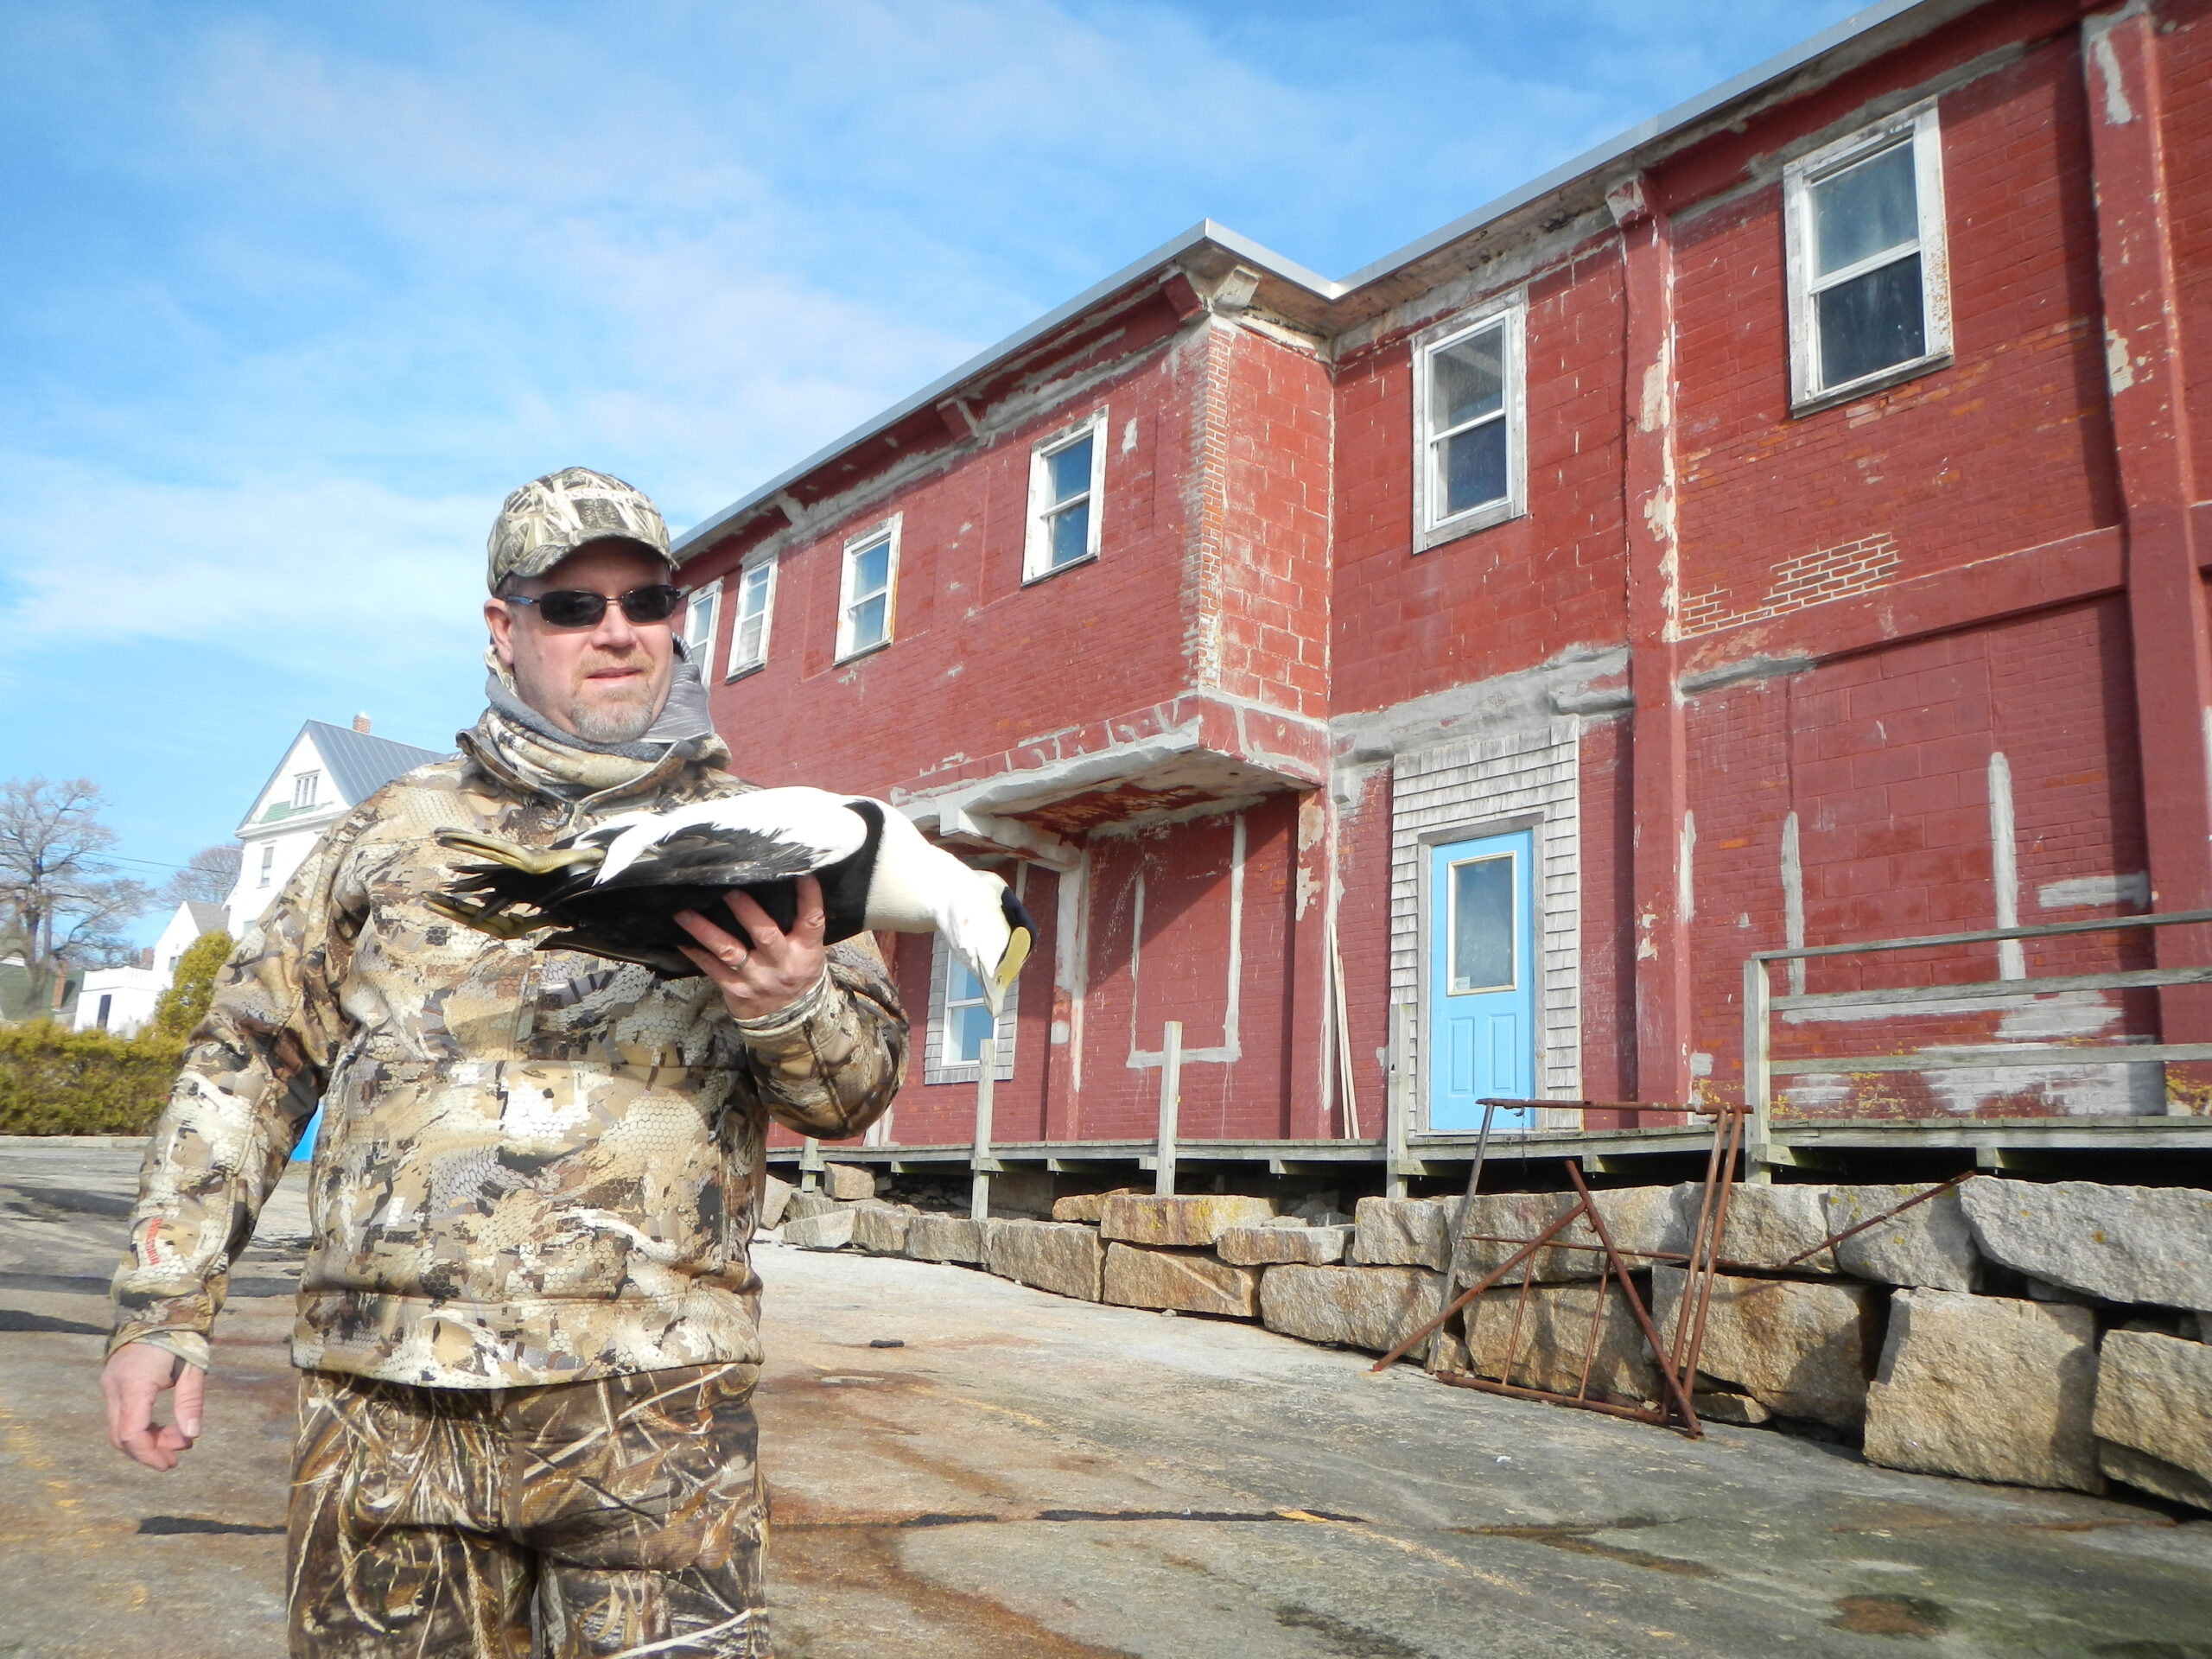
(961,1468)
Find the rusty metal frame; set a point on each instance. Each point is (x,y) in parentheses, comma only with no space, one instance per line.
(1676,1358)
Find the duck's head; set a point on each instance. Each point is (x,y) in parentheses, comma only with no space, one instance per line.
(986,928)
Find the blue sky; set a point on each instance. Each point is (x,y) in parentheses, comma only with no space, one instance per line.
(295,294)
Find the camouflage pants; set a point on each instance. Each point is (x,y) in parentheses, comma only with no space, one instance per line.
(608,1518)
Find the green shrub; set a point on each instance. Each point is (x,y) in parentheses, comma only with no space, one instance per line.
(54,1081)
(191,987)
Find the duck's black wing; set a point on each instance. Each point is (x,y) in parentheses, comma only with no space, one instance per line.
(631,915)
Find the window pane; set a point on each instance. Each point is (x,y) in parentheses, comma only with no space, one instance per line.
(1473,464)
(871,569)
(1070,534)
(867,623)
(752,597)
(969,1025)
(1871,322)
(1863,209)
(1482,924)
(1070,470)
(1468,379)
(747,648)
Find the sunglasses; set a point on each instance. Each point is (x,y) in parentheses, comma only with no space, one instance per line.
(572,608)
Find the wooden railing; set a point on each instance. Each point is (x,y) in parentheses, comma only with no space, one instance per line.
(1760,1004)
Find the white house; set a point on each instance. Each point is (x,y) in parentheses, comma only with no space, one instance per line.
(121,1000)
(327,772)
(192,919)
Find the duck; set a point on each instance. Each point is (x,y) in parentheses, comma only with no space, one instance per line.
(612,889)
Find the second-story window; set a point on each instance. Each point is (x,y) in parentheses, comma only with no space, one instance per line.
(1869,289)
(268,862)
(304,785)
(864,615)
(1067,475)
(701,607)
(1467,415)
(749,639)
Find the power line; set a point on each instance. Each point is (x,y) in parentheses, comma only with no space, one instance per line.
(152,863)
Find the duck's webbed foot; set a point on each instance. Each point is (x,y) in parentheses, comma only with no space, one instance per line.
(531,861)
(494,918)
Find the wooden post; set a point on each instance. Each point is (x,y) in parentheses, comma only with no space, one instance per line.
(1345,1078)
(1758,1087)
(809,1165)
(1171,1100)
(980,1161)
(1398,1100)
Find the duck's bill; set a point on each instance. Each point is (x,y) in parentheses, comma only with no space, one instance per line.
(1017,952)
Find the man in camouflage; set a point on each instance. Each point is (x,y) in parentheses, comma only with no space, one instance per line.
(528,1327)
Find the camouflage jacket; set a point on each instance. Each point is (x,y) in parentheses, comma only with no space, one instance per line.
(533,1165)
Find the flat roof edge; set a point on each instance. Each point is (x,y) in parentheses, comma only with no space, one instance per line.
(1207,232)
(1627,143)
(1199,235)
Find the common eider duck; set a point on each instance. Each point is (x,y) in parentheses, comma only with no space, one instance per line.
(613,890)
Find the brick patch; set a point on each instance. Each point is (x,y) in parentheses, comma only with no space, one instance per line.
(1825,573)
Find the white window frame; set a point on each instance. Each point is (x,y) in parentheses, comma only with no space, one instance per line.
(1431,527)
(936,1067)
(1037,551)
(1512,859)
(756,574)
(306,785)
(701,650)
(1916,126)
(268,863)
(887,531)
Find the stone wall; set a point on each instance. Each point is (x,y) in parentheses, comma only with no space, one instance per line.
(2054,1334)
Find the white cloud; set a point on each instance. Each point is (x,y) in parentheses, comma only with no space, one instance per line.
(404,263)
(282,571)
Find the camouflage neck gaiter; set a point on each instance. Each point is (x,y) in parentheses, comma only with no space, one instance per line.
(562,764)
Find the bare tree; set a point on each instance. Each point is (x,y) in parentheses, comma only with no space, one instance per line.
(63,909)
(207,877)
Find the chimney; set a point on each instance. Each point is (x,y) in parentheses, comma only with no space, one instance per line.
(361,724)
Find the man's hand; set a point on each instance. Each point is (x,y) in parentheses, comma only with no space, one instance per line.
(778,969)
(135,1377)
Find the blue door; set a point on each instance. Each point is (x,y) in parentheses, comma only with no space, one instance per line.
(1482,996)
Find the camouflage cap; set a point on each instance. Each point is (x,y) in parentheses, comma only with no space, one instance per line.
(549,518)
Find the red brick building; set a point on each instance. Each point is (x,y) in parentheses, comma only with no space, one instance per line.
(1780,527)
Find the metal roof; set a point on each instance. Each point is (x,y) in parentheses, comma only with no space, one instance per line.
(1206,234)
(361,764)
